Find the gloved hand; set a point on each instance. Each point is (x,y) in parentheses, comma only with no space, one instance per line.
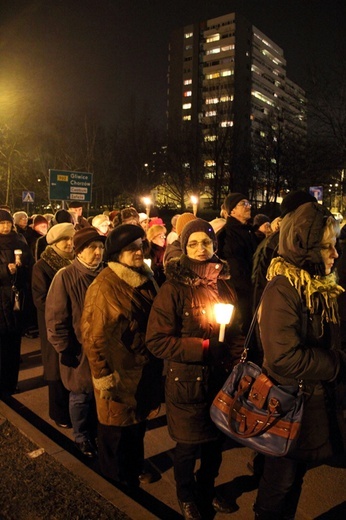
(69,359)
(217,350)
(107,386)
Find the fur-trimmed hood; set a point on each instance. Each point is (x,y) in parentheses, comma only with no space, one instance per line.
(132,277)
(185,271)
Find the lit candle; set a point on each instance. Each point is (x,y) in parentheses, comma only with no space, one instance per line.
(194,201)
(18,255)
(223,314)
(147,203)
(147,261)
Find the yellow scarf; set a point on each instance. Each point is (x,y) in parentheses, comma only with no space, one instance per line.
(315,289)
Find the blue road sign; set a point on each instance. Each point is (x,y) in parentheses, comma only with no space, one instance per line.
(28,196)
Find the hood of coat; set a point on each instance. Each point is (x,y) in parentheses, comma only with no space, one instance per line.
(187,272)
(132,277)
(301,232)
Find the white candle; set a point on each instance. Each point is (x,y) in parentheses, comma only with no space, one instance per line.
(223,314)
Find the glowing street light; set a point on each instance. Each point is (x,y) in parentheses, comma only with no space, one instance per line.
(194,201)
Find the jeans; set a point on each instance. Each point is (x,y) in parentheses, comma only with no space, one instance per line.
(279,488)
(81,406)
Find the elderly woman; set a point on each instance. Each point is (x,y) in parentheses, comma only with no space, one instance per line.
(15,267)
(156,236)
(182,329)
(58,254)
(299,327)
(125,376)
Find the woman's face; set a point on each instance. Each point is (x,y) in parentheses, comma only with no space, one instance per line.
(5,227)
(328,251)
(65,245)
(132,255)
(199,246)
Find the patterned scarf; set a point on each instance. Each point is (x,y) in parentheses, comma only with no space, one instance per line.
(316,290)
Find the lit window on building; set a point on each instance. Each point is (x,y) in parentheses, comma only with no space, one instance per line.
(209,163)
(186,118)
(224,99)
(213,38)
(225,73)
(211,101)
(210,138)
(226,124)
(263,98)
(216,50)
(188,35)
(210,113)
(228,48)
(187,81)
(186,106)
(262,134)
(214,75)
(188,93)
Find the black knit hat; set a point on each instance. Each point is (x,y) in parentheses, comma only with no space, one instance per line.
(5,216)
(121,237)
(293,200)
(232,200)
(83,237)
(62,215)
(260,219)
(194,226)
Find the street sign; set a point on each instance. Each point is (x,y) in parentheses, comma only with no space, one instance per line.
(28,196)
(66,185)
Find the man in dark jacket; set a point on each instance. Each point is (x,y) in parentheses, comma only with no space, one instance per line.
(237,244)
(64,307)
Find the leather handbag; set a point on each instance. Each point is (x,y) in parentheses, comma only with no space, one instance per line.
(255,412)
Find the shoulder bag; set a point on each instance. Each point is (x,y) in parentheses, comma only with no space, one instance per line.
(255,412)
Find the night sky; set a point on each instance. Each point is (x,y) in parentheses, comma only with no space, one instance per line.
(99,55)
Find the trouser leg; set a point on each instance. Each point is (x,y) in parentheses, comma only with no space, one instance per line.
(279,488)
(79,406)
(185,456)
(211,457)
(58,402)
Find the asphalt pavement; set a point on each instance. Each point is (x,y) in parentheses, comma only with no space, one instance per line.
(324,490)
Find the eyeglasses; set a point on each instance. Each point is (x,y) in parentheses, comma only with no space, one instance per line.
(204,243)
(161,236)
(244,203)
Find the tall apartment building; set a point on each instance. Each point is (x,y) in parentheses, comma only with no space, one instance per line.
(226,82)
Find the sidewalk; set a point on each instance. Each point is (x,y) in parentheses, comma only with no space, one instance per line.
(324,491)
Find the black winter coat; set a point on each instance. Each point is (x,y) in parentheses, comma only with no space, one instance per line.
(182,316)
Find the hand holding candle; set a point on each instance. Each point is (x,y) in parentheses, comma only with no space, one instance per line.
(223,314)
(18,256)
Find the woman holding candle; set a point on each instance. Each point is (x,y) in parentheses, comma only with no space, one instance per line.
(183,330)
(16,262)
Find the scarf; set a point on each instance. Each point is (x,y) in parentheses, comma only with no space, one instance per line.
(314,289)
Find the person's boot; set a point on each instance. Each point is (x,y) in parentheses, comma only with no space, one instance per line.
(190,510)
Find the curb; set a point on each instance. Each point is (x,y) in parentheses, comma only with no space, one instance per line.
(109,492)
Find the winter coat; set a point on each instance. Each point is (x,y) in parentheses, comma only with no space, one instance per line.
(300,344)
(237,244)
(113,328)
(182,317)
(156,254)
(11,320)
(42,275)
(173,250)
(64,307)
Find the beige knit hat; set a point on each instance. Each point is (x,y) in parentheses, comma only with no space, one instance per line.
(183,219)
(154,231)
(60,231)
(100,219)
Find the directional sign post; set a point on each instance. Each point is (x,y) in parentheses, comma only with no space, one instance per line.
(66,185)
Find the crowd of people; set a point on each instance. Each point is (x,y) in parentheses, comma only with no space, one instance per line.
(125,316)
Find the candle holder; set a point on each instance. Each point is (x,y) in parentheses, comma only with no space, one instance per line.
(223,314)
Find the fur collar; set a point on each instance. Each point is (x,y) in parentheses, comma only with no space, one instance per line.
(55,261)
(181,271)
(130,276)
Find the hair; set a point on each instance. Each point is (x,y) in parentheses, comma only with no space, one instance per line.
(332,225)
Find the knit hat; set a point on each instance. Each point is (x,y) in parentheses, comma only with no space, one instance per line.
(113,214)
(154,231)
(183,219)
(293,200)
(5,216)
(260,219)
(127,213)
(100,219)
(83,237)
(39,219)
(194,226)
(60,231)
(121,237)
(19,215)
(62,215)
(232,200)
(142,217)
